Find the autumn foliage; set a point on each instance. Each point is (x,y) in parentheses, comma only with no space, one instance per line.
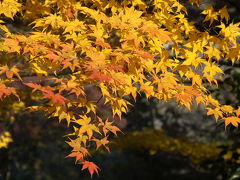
(123,48)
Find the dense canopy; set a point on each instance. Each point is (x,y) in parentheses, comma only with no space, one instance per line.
(119,47)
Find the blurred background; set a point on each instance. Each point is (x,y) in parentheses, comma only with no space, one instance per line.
(160,141)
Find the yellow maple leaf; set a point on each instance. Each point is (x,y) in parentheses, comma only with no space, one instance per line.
(231,120)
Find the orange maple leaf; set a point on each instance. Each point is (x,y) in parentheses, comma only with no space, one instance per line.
(144,54)
(102,142)
(233,120)
(52,56)
(99,76)
(4,90)
(10,72)
(34,86)
(107,126)
(77,155)
(48,93)
(7,91)
(103,44)
(90,166)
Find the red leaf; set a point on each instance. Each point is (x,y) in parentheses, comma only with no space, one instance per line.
(77,155)
(99,76)
(34,86)
(54,97)
(90,166)
(58,98)
(7,91)
(4,91)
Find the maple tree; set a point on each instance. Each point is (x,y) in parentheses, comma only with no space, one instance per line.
(123,48)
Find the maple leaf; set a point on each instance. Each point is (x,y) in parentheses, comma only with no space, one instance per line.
(123,53)
(10,72)
(34,86)
(227,109)
(164,36)
(4,90)
(56,98)
(103,44)
(71,63)
(102,142)
(9,8)
(16,71)
(90,166)
(224,13)
(38,69)
(52,56)
(67,116)
(233,120)
(13,44)
(148,89)
(77,147)
(211,15)
(77,155)
(70,13)
(86,126)
(107,126)
(186,95)
(100,76)
(216,112)
(145,55)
